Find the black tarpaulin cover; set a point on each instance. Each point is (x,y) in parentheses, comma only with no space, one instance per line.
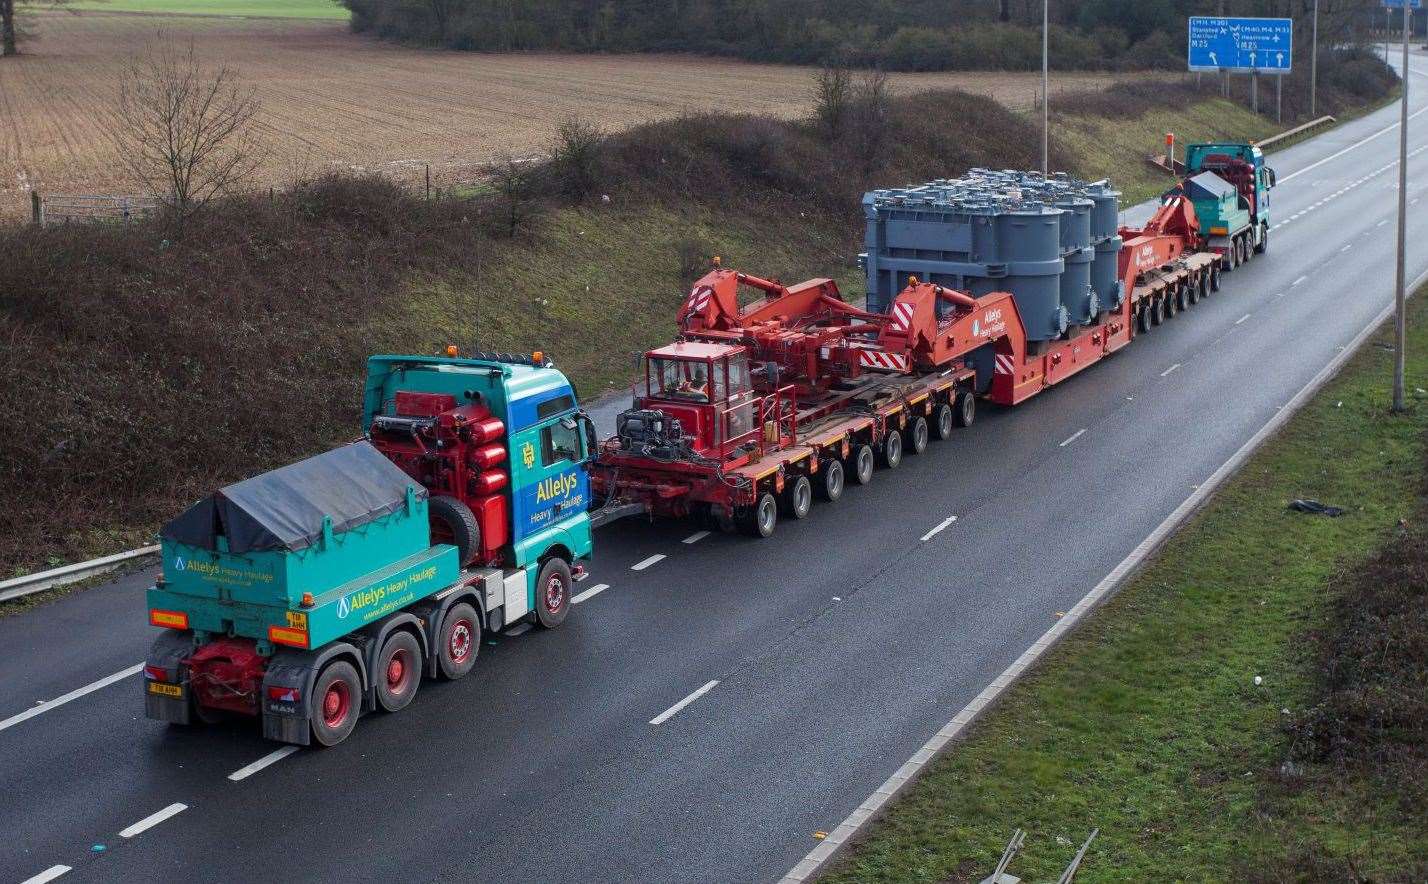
(284,508)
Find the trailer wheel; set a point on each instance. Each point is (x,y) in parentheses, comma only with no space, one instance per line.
(1215,277)
(798,498)
(831,488)
(1199,289)
(1182,296)
(1142,318)
(917,434)
(453,522)
(892,450)
(1157,311)
(942,421)
(862,462)
(966,410)
(1169,299)
(336,703)
(459,641)
(759,520)
(1263,240)
(553,593)
(398,671)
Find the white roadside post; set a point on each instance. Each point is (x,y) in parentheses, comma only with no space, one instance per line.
(1045,91)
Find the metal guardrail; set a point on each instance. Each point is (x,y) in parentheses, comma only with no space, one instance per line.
(1297,130)
(19,587)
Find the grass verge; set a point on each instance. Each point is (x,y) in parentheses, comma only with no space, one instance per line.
(323,9)
(1147,722)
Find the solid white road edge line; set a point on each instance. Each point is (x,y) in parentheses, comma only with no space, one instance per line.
(813,864)
(152,820)
(669,713)
(695,537)
(652,560)
(271,758)
(75,694)
(49,874)
(590,593)
(941,526)
(1072,438)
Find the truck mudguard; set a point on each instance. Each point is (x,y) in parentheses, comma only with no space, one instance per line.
(287,719)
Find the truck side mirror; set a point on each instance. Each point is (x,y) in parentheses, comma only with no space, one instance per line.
(592,442)
(1273,178)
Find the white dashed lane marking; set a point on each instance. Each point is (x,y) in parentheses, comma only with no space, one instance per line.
(590,593)
(49,874)
(1242,318)
(152,820)
(1072,438)
(695,537)
(75,694)
(941,526)
(268,760)
(652,560)
(672,711)
(1170,369)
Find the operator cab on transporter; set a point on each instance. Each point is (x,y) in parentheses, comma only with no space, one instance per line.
(328,588)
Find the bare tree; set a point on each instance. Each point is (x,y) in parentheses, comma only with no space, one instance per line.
(11,33)
(184,130)
(511,178)
(869,118)
(832,94)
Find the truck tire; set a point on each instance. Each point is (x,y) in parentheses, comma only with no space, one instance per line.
(1182,296)
(1215,276)
(1157,311)
(942,421)
(862,464)
(459,641)
(1202,287)
(336,703)
(453,522)
(760,519)
(831,486)
(917,435)
(1263,240)
(1142,318)
(397,675)
(965,408)
(892,450)
(553,593)
(798,498)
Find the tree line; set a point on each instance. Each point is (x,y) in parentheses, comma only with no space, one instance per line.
(891,34)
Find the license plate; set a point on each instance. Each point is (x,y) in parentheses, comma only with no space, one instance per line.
(168,690)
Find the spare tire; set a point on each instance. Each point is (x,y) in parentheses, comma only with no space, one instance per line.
(453,522)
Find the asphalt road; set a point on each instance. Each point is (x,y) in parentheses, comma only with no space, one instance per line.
(837,648)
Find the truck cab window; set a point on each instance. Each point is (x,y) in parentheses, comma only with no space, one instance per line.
(559,443)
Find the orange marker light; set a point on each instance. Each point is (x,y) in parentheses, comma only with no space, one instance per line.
(169,619)
(537,357)
(307,600)
(452,351)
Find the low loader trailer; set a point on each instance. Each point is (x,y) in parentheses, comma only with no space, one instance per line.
(329,588)
(755,411)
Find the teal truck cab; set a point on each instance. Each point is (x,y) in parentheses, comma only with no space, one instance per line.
(318,591)
(1229,184)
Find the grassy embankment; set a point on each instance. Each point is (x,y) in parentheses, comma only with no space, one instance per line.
(1147,722)
(324,9)
(147,368)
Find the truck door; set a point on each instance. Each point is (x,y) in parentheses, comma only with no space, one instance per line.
(552,479)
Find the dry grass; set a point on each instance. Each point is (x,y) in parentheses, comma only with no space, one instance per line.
(336,100)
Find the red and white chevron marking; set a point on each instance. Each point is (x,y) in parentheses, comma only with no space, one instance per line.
(1005,365)
(879,359)
(698,300)
(902,316)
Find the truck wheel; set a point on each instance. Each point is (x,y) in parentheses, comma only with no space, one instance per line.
(942,421)
(831,488)
(1142,318)
(798,498)
(966,410)
(398,671)
(553,593)
(1215,276)
(1263,240)
(1202,287)
(862,463)
(917,435)
(336,703)
(459,641)
(453,522)
(892,449)
(1182,296)
(1157,311)
(759,520)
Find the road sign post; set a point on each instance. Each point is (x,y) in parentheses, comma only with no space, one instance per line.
(1400,320)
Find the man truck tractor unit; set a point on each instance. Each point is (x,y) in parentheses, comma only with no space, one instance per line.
(328,588)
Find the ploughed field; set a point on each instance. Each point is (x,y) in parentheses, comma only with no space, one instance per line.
(331,98)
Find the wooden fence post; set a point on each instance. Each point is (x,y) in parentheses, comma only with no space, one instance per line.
(35,207)
(428,180)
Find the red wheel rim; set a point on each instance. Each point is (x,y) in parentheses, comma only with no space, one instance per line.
(554,593)
(399,672)
(336,703)
(458,645)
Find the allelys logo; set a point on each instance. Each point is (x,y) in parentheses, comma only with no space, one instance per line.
(556,487)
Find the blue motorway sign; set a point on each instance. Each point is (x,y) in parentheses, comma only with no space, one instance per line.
(1398,4)
(1263,45)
